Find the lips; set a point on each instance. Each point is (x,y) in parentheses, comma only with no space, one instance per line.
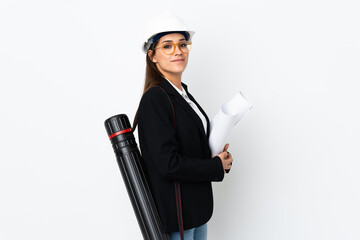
(178,60)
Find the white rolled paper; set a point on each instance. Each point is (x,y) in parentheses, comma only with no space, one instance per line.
(224,121)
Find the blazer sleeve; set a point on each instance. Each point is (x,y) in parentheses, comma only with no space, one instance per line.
(157,135)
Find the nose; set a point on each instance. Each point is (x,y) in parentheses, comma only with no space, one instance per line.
(177,50)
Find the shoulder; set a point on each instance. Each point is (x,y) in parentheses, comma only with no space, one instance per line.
(153,94)
(154,97)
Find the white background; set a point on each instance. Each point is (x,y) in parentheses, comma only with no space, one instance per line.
(66,66)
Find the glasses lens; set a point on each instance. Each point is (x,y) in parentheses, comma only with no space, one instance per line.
(168,48)
(185,47)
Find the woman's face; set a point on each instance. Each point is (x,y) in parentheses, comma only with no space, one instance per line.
(170,64)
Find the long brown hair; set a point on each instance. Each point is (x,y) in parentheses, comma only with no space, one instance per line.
(152,75)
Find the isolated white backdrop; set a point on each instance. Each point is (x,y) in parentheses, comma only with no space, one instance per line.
(66,66)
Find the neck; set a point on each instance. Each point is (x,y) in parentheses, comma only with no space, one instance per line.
(174,79)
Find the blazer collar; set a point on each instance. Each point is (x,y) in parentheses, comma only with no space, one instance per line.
(179,99)
(168,88)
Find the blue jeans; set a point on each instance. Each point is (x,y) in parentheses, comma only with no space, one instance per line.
(198,233)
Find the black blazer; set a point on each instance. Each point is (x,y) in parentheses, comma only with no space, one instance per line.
(180,154)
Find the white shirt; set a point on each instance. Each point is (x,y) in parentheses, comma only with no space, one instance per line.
(192,104)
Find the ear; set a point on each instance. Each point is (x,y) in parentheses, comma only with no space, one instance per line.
(151,56)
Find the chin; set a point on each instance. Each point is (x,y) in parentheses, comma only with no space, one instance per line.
(176,70)
(179,69)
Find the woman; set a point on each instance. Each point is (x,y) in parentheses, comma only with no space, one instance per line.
(173,135)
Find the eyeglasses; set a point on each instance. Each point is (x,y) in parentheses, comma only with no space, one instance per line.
(169,47)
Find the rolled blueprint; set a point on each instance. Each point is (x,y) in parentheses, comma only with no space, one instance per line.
(224,121)
(134,175)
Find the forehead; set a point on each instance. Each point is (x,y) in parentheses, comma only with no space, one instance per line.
(172,37)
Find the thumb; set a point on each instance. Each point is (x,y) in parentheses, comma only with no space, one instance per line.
(226,147)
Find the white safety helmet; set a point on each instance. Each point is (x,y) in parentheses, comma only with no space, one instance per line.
(164,22)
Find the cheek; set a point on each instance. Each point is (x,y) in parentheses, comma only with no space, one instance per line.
(164,61)
(186,61)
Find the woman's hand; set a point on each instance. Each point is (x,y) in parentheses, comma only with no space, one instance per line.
(226,158)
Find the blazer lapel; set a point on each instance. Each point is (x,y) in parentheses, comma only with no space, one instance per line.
(185,105)
(201,110)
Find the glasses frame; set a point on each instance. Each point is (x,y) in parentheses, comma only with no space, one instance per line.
(174,47)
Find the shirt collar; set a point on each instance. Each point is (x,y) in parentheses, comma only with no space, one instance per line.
(181,92)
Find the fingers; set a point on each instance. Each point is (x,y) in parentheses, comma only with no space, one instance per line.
(227,162)
(225,156)
(229,156)
(226,159)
